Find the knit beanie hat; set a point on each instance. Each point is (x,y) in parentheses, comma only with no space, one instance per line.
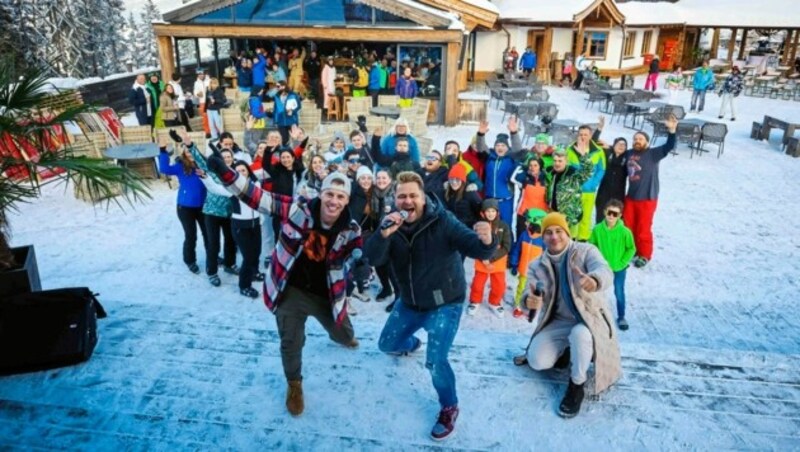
(555,219)
(543,138)
(501,138)
(458,172)
(535,216)
(342,183)
(363,170)
(490,203)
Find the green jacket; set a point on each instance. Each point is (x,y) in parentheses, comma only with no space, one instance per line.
(598,158)
(215,205)
(615,244)
(384,77)
(564,190)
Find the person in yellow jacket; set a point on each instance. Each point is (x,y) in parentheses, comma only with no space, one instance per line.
(615,242)
(582,146)
(296,72)
(361,81)
(493,268)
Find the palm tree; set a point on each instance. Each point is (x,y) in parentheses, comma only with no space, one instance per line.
(24,121)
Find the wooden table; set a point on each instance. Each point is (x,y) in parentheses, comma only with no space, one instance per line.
(637,109)
(770,123)
(137,157)
(386,111)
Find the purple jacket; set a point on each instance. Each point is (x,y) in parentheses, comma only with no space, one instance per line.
(406,89)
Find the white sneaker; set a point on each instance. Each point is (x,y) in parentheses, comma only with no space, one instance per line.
(351,308)
(497,310)
(472,308)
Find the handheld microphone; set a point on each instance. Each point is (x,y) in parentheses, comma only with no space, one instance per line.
(538,291)
(388,223)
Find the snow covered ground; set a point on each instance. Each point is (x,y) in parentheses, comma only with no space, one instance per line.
(711,361)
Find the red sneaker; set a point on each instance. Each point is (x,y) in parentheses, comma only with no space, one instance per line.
(518,313)
(446,424)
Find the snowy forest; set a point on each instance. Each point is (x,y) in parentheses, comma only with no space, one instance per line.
(78,38)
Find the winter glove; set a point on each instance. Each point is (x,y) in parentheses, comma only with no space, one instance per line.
(362,123)
(472,187)
(216,164)
(175,137)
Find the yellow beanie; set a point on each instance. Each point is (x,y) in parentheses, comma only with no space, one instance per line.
(555,219)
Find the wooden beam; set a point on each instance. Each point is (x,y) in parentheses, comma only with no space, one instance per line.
(578,45)
(678,59)
(408,11)
(165,55)
(306,33)
(794,50)
(743,44)
(451,87)
(786,47)
(714,44)
(544,59)
(470,13)
(732,44)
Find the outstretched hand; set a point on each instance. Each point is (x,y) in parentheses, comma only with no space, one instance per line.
(513,124)
(483,127)
(671,123)
(484,231)
(216,164)
(586,282)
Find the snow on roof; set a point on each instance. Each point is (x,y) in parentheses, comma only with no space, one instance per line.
(722,13)
(181,6)
(485,4)
(541,11)
(455,22)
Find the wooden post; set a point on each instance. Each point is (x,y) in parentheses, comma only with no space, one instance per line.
(217,73)
(786,47)
(544,58)
(451,85)
(678,59)
(743,44)
(165,52)
(714,44)
(578,45)
(178,57)
(199,63)
(794,51)
(732,44)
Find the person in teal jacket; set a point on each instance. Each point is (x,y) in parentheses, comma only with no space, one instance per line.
(615,242)
(584,145)
(703,81)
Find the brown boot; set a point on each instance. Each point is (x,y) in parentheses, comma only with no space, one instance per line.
(294,398)
(352,344)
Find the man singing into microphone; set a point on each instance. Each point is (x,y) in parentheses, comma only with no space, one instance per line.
(567,287)
(425,242)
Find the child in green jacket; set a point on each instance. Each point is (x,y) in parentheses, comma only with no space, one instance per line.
(615,242)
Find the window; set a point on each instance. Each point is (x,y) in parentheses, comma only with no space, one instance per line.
(648,36)
(630,39)
(595,42)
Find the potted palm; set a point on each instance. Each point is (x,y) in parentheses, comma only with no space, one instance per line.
(25,122)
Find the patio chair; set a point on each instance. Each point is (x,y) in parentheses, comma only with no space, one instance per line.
(390,100)
(532,128)
(687,133)
(547,109)
(713,133)
(618,107)
(137,134)
(563,136)
(495,88)
(540,96)
(232,120)
(594,96)
(677,110)
(527,110)
(199,140)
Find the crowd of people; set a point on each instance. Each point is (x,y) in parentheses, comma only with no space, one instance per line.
(323,218)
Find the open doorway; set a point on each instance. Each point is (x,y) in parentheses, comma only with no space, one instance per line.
(536,42)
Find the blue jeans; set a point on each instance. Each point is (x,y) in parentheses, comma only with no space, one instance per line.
(441,325)
(619,291)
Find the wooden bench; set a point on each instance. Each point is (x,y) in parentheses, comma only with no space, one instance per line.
(775,123)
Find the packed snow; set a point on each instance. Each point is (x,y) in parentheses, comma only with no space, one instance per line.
(711,360)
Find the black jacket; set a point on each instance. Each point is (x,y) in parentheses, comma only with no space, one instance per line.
(219,99)
(614,179)
(434,182)
(284,181)
(357,204)
(426,257)
(467,209)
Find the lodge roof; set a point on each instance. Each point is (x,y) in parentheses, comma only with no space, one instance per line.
(704,13)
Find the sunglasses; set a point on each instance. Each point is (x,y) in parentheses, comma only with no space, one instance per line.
(431,158)
(613,213)
(352,161)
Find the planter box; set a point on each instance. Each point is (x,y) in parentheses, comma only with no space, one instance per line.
(24,277)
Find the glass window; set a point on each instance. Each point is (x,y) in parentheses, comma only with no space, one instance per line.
(630,39)
(595,42)
(648,36)
(279,12)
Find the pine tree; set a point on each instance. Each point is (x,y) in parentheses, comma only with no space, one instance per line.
(150,14)
(11,35)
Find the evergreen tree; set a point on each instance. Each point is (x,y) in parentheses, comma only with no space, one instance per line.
(150,14)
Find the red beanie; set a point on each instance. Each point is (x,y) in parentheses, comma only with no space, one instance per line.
(458,172)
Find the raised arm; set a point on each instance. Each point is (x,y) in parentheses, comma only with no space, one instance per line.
(480,138)
(248,191)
